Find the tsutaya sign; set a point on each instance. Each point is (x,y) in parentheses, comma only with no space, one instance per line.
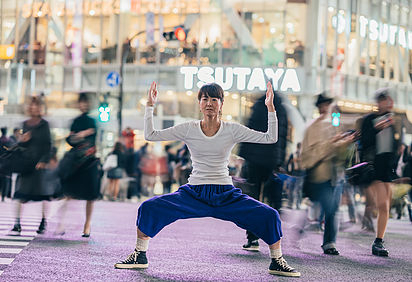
(246,78)
(377,31)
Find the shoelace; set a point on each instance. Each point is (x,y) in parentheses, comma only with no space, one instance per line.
(132,257)
(284,264)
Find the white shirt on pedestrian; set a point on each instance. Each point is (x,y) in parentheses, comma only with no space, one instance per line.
(210,155)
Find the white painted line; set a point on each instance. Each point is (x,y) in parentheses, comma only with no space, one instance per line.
(29,233)
(16,238)
(23,227)
(11,243)
(1,272)
(23,222)
(6,260)
(10,251)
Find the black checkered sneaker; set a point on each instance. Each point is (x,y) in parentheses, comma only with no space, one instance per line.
(136,260)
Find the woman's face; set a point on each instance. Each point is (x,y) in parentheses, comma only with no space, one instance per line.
(34,110)
(210,106)
(84,106)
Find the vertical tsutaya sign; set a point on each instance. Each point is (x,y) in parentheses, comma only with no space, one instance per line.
(150,27)
(241,78)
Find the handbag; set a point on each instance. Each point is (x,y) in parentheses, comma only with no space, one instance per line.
(111,162)
(13,159)
(360,174)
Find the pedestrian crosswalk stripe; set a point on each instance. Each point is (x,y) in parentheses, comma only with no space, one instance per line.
(24,227)
(22,221)
(1,272)
(16,238)
(10,251)
(11,243)
(6,260)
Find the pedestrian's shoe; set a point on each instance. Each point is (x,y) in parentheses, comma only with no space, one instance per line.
(136,260)
(279,266)
(331,251)
(378,249)
(16,230)
(252,246)
(42,226)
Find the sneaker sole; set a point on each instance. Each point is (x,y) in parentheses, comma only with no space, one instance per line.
(131,266)
(281,273)
(251,249)
(14,233)
(376,253)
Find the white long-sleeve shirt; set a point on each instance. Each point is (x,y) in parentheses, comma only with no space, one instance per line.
(210,155)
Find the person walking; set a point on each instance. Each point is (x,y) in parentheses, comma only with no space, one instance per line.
(261,160)
(36,142)
(83,183)
(380,138)
(320,147)
(116,173)
(210,191)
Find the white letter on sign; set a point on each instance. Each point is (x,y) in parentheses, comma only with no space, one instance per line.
(274,76)
(188,72)
(241,77)
(290,80)
(226,85)
(257,79)
(205,76)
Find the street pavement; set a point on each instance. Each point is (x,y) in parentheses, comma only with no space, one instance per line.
(188,250)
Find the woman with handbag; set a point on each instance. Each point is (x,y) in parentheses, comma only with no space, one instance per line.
(36,145)
(115,172)
(210,191)
(83,181)
(380,141)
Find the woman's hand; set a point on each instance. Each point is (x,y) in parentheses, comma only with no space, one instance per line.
(40,165)
(269,98)
(152,95)
(25,137)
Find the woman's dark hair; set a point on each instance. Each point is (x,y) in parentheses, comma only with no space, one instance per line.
(118,147)
(211,90)
(83,98)
(35,100)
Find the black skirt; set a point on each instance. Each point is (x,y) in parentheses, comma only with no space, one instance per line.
(84,184)
(384,167)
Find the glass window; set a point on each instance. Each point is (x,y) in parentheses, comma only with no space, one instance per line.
(55,33)
(295,30)
(91,33)
(110,35)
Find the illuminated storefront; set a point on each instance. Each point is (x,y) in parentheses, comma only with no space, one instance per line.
(62,47)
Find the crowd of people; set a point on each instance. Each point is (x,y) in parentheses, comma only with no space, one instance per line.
(364,164)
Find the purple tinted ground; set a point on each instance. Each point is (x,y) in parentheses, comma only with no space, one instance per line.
(201,250)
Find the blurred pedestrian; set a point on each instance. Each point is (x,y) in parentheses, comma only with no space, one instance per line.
(14,139)
(115,173)
(171,162)
(128,137)
(210,191)
(294,167)
(320,147)
(83,182)
(262,160)
(4,140)
(36,141)
(380,139)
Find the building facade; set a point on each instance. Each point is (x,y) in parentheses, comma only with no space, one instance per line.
(63,47)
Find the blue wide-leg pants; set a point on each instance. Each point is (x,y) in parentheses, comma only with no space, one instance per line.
(223,202)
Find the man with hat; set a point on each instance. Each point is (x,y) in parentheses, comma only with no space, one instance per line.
(381,134)
(320,147)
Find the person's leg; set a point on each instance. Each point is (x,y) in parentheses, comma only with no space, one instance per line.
(367,222)
(329,200)
(262,220)
(350,195)
(383,194)
(62,214)
(17,226)
(116,184)
(43,223)
(111,188)
(383,201)
(154,214)
(89,212)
